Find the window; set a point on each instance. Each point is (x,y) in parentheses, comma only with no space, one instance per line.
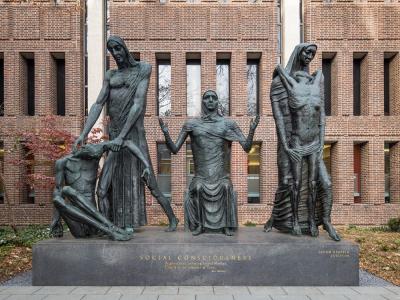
(29,158)
(29,82)
(1,85)
(357,173)
(387,172)
(60,69)
(360,84)
(253,174)
(361,162)
(252,73)
(389,81)
(86,86)
(327,61)
(223,84)
(392,178)
(193,87)
(392,171)
(327,157)
(279,30)
(164,86)
(2,190)
(301,19)
(136,55)
(189,164)
(164,169)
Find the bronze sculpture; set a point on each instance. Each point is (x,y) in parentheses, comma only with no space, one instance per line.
(210,203)
(74,193)
(124,91)
(297,100)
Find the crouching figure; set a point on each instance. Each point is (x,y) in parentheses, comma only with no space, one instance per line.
(74,193)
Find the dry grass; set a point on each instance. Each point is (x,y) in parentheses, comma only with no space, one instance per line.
(14,260)
(379,250)
(16,249)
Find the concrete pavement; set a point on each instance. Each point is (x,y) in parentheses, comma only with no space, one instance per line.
(198,293)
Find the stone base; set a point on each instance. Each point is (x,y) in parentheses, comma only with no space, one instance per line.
(154,257)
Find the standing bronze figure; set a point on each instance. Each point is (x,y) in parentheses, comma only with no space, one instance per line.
(210,203)
(297,100)
(121,190)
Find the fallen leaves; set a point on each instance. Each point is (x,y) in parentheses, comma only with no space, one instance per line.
(379,251)
(14,260)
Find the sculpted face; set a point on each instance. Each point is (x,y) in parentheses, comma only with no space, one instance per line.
(210,101)
(89,151)
(307,55)
(118,52)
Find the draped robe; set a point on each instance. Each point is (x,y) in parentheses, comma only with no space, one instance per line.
(211,200)
(282,217)
(122,170)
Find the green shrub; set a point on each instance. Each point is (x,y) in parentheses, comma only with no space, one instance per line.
(394,224)
(26,236)
(250,224)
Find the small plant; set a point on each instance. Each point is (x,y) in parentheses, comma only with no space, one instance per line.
(25,237)
(162,223)
(385,248)
(250,224)
(394,224)
(360,240)
(352,226)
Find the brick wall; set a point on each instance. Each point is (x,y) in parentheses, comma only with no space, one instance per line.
(348,28)
(41,28)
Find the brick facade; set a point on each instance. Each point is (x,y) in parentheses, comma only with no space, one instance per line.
(348,28)
(209,28)
(43,31)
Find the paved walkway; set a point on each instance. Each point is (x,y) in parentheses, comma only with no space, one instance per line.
(199,293)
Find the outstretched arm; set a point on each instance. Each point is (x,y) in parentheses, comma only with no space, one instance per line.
(135,150)
(173,147)
(246,145)
(95,110)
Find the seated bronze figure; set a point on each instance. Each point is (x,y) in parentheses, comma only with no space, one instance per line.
(210,203)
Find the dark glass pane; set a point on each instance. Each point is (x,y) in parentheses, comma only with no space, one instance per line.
(357,173)
(1,87)
(327,71)
(2,172)
(386,86)
(60,87)
(30,66)
(164,169)
(29,171)
(357,86)
(387,172)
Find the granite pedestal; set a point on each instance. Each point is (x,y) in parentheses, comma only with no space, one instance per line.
(154,257)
